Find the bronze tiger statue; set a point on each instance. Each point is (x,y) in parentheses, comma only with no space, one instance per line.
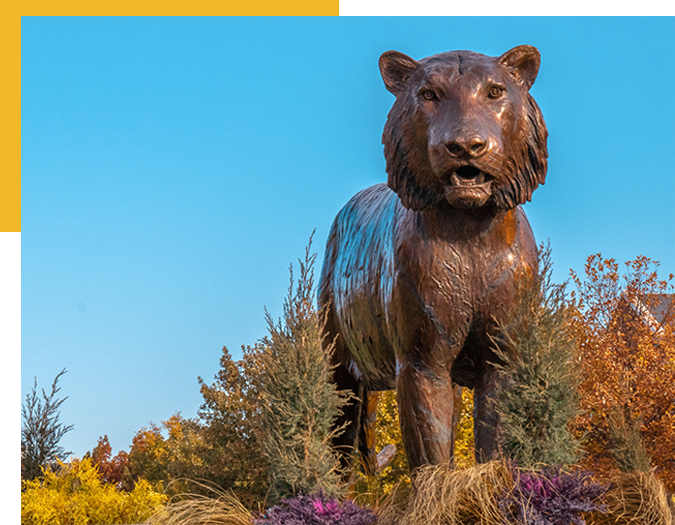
(420,272)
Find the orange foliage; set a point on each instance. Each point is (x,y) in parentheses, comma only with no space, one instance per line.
(148,457)
(624,325)
(111,469)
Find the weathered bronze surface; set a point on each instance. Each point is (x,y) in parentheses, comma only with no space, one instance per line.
(419,272)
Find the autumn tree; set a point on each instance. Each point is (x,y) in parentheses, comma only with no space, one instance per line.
(228,426)
(160,454)
(625,332)
(111,469)
(181,458)
(217,448)
(147,456)
(41,430)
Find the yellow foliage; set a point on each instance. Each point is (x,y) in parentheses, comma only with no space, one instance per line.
(75,495)
(465,453)
(369,490)
(388,431)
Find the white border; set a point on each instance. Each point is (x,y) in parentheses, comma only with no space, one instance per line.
(505,8)
(10,386)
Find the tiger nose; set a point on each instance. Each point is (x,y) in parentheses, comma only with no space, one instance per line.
(471,148)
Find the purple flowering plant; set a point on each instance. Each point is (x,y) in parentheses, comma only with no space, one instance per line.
(552,497)
(316,509)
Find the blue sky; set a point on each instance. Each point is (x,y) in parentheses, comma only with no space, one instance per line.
(173,168)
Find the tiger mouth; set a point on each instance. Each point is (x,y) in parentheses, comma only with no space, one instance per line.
(468,187)
(470,176)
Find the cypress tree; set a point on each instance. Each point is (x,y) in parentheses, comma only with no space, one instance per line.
(536,399)
(300,404)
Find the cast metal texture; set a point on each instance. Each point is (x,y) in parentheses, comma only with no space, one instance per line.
(420,272)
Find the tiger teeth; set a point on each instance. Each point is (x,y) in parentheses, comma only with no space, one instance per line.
(456,180)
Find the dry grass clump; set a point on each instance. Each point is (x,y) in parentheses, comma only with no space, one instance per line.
(219,508)
(636,498)
(443,495)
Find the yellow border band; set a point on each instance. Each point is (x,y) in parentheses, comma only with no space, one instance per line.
(10,39)
(175,8)
(10,140)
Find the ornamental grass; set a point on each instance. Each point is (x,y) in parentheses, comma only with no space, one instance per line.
(218,507)
(636,498)
(224,508)
(495,493)
(441,494)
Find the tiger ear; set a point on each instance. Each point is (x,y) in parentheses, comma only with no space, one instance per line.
(395,69)
(524,62)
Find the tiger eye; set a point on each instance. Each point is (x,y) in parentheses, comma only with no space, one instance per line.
(428,94)
(496,91)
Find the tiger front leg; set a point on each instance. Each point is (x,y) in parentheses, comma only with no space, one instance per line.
(486,419)
(426,405)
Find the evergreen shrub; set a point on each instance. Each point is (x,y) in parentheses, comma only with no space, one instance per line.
(300,404)
(536,399)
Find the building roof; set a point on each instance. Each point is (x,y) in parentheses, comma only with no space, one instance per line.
(654,308)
